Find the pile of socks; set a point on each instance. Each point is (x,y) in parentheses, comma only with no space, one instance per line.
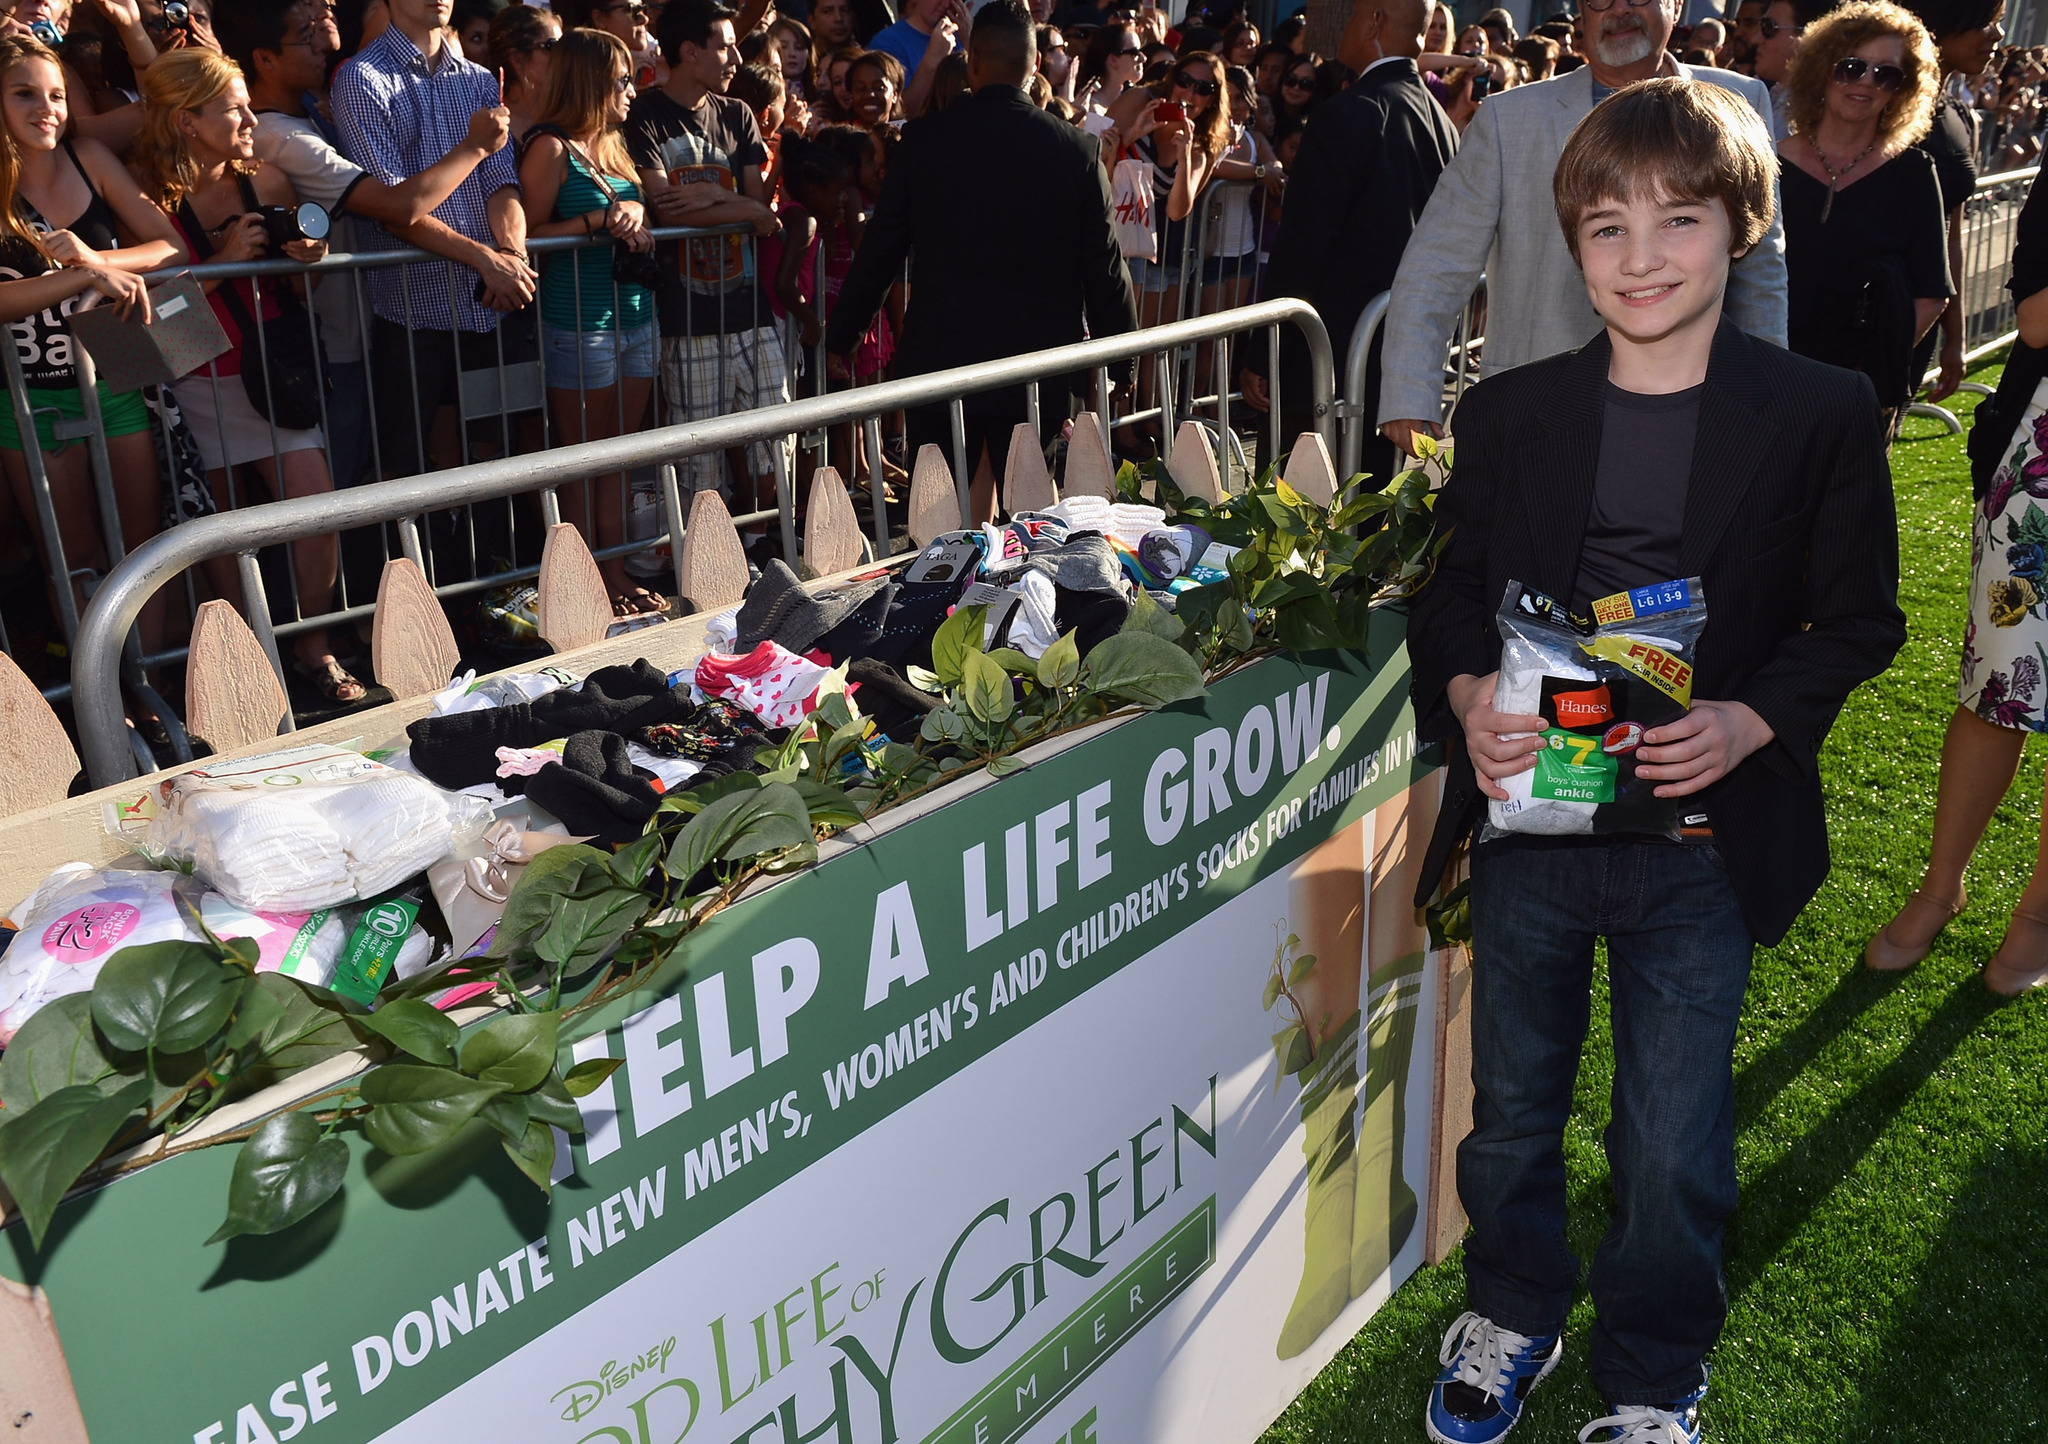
(772,682)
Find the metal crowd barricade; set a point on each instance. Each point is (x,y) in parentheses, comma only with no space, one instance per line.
(1990,227)
(512,392)
(121,597)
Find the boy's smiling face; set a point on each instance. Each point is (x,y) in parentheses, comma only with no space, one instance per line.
(1656,267)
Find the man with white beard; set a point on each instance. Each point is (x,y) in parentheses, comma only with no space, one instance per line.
(1492,215)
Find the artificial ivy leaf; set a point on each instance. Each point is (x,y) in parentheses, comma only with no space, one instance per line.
(534,1152)
(56,1048)
(314,1025)
(416,1108)
(1003,766)
(554,875)
(255,1011)
(985,688)
(1060,663)
(44,1150)
(696,799)
(923,679)
(551,1103)
(958,635)
(739,826)
(583,930)
(1272,993)
(1148,616)
(284,1172)
(515,1052)
(631,864)
(506,1113)
(1014,662)
(791,859)
(168,996)
(582,1080)
(418,1028)
(829,806)
(1142,668)
(241,951)
(1298,971)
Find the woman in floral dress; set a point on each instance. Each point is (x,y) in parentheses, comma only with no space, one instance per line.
(2003,695)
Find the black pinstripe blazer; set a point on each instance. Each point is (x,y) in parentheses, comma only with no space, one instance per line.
(1790,525)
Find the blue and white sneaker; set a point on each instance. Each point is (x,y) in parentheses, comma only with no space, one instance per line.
(1641,1424)
(1488,1373)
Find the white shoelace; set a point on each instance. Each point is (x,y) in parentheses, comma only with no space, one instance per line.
(1638,1424)
(1489,1353)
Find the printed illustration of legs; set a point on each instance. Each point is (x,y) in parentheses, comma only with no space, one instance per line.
(1326,908)
(1396,945)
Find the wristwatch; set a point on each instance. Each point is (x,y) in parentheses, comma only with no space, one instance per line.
(1259,172)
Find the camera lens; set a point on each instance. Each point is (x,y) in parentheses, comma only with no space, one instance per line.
(314,223)
(177,13)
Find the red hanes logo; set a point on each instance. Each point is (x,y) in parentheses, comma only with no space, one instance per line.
(1592,708)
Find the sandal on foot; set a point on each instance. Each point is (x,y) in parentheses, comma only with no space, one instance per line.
(636,602)
(2021,961)
(335,684)
(1885,954)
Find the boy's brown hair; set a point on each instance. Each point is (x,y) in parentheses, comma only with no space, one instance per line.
(1678,140)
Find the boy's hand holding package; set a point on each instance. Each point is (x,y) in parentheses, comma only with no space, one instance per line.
(1702,747)
(1501,743)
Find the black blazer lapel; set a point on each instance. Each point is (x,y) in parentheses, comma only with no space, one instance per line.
(1556,506)
(1733,437)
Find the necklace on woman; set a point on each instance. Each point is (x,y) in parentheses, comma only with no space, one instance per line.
(1835,176)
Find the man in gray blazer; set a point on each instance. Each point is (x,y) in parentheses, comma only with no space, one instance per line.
(1492,214)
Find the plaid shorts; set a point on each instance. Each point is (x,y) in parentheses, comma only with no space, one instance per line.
(707,376)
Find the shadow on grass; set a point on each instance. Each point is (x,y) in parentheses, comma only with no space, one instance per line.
(1772,1071)
(1974,1323)
(1777,1203)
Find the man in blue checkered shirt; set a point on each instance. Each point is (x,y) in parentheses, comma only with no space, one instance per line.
(402,103)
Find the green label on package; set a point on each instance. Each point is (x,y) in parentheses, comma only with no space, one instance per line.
(1570,767)
(295,955)
(373,947)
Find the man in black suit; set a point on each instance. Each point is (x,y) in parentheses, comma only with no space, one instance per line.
(1004,211)
(1364,172)
(1672,445)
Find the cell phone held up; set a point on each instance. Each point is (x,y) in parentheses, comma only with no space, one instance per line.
(1169,112)
(1482,85)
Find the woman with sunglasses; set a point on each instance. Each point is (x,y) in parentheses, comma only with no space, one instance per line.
(1109,66)
(1297,94)
(631,21)
(523,39)
(1866,240)
(1180,129)
(597,327)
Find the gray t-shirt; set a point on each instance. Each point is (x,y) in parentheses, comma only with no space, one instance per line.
(319,172)
(1638,493)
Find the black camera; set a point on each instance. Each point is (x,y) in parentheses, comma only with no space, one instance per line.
(1482,84)
(306,221)
(634,268)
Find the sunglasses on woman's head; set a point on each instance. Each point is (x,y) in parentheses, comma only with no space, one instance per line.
(1298,82)
(1199,87)
(1133,52)
(1772,29)
(1852,68)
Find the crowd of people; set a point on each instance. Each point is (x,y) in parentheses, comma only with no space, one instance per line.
(466,128)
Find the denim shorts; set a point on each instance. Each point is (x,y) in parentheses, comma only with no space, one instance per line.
(604,355)
(1153,278)
(1218,269)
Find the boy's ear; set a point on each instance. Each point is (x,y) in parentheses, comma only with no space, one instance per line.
(1738,253)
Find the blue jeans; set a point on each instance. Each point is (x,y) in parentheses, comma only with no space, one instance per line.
(1678,959)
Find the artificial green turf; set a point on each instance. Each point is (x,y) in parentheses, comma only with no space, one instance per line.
(1887,1270)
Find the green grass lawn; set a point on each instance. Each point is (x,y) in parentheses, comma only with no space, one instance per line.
(1887,1269)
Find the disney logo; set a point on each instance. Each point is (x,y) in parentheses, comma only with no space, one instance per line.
(586,1394)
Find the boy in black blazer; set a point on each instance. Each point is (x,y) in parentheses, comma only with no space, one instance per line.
(1670,446)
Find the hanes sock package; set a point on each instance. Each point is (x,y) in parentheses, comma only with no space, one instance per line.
(1599,684)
